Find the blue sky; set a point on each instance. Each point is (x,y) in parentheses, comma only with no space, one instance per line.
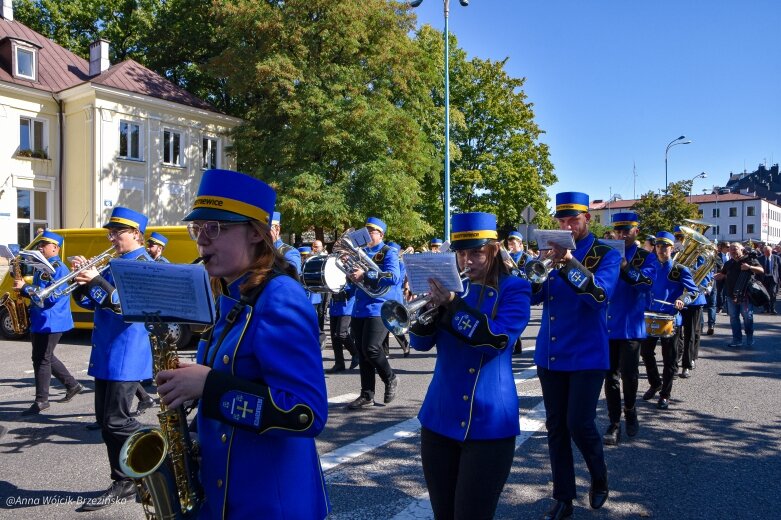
(612,82)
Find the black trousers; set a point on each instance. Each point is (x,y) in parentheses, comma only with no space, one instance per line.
(368,335)
(465,479)
(669,358)
(570,410)
(624,361)
(772,288)
(689,336)
(341,339)
(112,412)
(46,365)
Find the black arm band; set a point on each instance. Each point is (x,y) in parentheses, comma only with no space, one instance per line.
(100,291)
(633,276)
(470,325)
(581,279)
(250,406)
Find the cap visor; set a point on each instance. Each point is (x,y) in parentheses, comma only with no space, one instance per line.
(215,214)
(564,213)
(460,245)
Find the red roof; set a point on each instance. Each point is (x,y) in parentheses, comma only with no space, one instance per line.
(695,199)
(60,69)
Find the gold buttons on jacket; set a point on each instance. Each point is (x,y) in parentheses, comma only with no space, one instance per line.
(551,298)
(553,338)
(553,318)
(553,358)
(463,424)
(471,370)
(490,293)
(466,398)
(219,482)
(226,359)
(223,437)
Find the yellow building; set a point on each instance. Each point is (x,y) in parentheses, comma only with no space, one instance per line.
(79,137)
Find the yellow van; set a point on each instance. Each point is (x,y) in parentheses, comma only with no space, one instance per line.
(91,242)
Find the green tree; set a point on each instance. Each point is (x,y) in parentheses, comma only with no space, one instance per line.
(661,212)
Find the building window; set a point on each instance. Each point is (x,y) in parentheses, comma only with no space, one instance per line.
(716,231)
(733,229)
(597,219)
(749,228)
(24,62)
(32,213)
(700,213)
(172,148)
(715,212)
(32,138)
(750,211)
(209,153)
(733,212)
(129,140)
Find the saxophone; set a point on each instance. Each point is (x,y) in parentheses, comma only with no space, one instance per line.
(164,461)
(14,305)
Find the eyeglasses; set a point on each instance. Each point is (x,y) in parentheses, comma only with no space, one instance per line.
(117,233)
(211,228)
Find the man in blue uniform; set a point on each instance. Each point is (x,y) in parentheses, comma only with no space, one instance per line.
(571,363)
(691,323)
(626,327)
(155,245)
(121,354)
(435,245)
(47,323)
(398,295)
(671,290)
(287,251)
(516,249)
(366,325)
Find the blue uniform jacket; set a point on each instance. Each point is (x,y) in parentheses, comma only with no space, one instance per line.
(700,300)
(629,301)
(162,259)
(55,315)
(268,365)
(520,258)
(573,333)
(120,351)
(668,286)
(365,306)
(290,253)
(341,304)
(472,394)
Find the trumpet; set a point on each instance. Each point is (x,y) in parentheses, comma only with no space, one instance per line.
(537,271)
(399,317)
(350,257)
(67,284)
(508,261)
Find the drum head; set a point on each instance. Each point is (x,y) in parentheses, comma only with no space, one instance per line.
(333,277)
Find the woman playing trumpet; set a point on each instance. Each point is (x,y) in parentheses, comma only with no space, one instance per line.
(470,413)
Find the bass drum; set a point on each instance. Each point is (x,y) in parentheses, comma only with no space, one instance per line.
(321,274)
(659,325)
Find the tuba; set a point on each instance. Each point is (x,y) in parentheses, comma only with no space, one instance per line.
(695,245)
(67,284)
(164,461)
(350,257)
(14,304)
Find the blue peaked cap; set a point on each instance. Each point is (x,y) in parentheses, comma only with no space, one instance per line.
(229,196)
(157,238)
(374,222)
(470,230)
(126,217)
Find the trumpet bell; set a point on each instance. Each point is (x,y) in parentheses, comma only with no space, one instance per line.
(537,271)
(395,317)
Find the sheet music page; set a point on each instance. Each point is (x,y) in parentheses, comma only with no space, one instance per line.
(6,253)
(360,237)
(560,237)
(439,266)
(618,245)
(176,293)
(36,260)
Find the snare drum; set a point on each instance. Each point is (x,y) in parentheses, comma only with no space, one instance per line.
(659,325)
(320,274)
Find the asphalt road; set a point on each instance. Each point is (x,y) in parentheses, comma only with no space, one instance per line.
(714,454)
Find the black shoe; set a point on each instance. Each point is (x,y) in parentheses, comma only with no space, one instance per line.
(710,331)
(651,392)
(35,408)
(354,362)
(144,405)
(335,369)
(561,509)
(361,402)
(632,426)
(405,349)
(612,435)
(70,393)
(686,373)
(693,365)
(663,404)
(597,493)
(117,493)
(93,426)
(390,389)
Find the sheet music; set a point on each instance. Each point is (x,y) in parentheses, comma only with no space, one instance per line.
(360,237)
(560,237)
(6,253)
(445,247)
(175,293)
(618,245)
(36,260)
(439,266)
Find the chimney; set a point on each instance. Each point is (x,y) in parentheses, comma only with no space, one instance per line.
(98,56)
(8,10)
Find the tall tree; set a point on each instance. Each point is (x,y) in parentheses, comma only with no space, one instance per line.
(661,212)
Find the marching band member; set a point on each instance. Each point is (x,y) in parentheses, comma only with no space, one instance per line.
(259,376)
(435,245)
(340,311)
(366,325)
(398,295)
(155,245)
(287,251)
(571,365)
(121,353)
(691,324)
(626,327)
(671,280)
(469,416)
(315,298)
(516,250)
(47,323)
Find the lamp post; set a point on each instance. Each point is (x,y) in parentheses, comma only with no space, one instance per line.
(702,175)
(464,3)
(674,142)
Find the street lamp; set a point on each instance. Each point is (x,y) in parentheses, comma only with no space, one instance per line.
(674,142)
(416,3)
(702,175)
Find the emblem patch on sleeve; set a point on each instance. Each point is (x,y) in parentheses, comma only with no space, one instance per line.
(242,408)
(634,275)
(465,324)
(97,294)
(577,278)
